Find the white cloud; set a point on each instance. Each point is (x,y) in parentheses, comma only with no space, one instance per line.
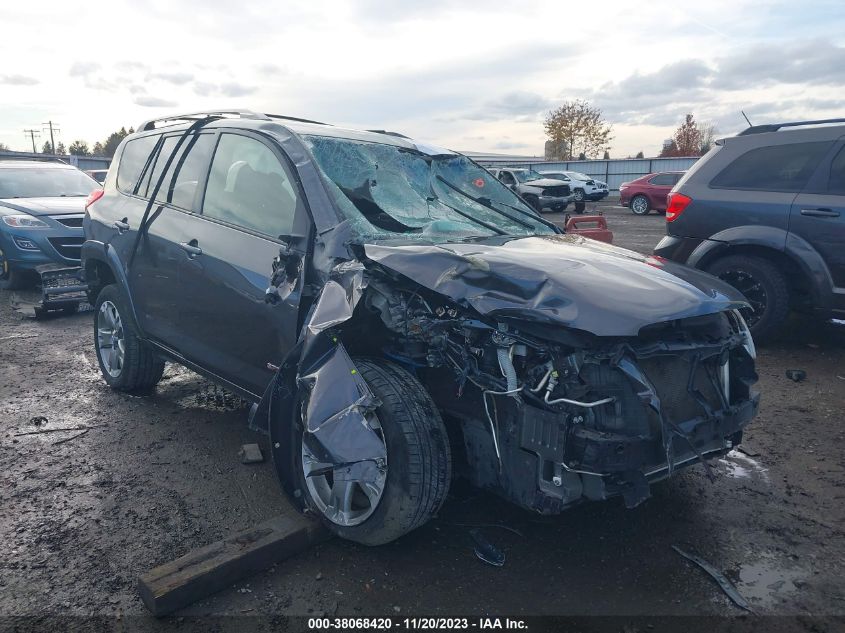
(462,75)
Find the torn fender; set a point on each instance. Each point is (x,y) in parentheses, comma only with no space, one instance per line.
(318,394)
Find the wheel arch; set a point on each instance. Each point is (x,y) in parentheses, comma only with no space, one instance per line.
(102,267)
(806,273)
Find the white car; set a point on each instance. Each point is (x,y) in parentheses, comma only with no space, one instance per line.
(583,187)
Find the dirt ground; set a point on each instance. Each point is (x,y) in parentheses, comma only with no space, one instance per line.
(82,516)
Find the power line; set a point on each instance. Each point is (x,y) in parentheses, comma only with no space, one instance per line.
(52,127)
(32,134)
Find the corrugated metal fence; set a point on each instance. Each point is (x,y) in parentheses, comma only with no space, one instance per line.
(83,162)
(614,172)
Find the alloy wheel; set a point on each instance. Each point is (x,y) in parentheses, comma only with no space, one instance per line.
(639,205)
(343,501)
(111,343)
(579,195)
(752,289)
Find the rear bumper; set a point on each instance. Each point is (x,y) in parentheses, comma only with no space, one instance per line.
(677,249)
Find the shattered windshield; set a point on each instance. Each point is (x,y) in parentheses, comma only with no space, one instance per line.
(390,192)
(526,176)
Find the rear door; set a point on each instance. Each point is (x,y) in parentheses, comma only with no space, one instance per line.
(818,215)
(154,274)
(659,187)
(252,212)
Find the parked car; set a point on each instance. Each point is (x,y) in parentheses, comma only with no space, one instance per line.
(98,174)
(396,314)
(648,192)
(583,187)
(41,210)
(541,193)
(765,211)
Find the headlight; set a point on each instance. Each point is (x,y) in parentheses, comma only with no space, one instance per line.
(24,222)
(742,326)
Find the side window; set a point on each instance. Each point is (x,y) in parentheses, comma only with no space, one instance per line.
(132,161)
(186,171)
(151,176)
(506,178)
(248,186)
(676,178)
(664,180)
(836,184)
(773,168)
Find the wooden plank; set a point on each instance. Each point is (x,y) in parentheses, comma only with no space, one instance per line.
(210,569)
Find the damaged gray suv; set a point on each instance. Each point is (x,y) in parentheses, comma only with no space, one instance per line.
(397,316)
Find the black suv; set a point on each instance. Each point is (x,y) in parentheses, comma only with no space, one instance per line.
(395,312)
(765,211)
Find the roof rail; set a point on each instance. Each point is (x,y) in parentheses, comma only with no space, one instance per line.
(295,118)
(206,114)
(389,133)
(774,127)
(26,156)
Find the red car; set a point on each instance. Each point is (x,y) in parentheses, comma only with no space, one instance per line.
(648,192)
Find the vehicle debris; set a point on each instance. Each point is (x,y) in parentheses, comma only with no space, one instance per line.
(69,428)
(724,584)
(251,454)
(485,550)
(796,375)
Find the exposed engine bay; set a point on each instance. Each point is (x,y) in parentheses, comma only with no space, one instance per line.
(543,415)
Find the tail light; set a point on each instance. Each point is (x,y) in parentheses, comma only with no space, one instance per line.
(676,205)
(93,197)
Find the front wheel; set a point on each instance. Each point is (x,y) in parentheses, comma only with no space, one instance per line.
(763,285)
(125,362)
(535,203)
(579,195)
(12,278)
(639,205)
(409,488)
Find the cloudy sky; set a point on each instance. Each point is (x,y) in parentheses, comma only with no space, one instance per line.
(465,75)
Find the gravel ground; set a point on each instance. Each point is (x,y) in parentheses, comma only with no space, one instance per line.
(82,516)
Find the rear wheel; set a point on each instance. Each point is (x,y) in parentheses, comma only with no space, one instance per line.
(639,205)
(125,362)
(413,483)
(763,285)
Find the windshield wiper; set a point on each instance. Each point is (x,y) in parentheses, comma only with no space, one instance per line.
(533,216)
(483,203)
(468,216)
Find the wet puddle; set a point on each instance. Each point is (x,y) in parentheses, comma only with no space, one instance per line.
(766,583)
(740,466)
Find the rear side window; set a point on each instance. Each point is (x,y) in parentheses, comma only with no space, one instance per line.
(249,187)
(185,172)
(664,179)
(836,184)
(132,162)
(152,175)
(773,168)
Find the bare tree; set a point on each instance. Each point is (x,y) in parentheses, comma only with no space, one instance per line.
(577,128)
(708,135)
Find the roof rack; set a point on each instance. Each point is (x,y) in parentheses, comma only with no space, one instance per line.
(389,133)
(206,114)
(774,127)
(31,158)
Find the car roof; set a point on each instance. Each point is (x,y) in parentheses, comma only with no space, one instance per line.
(50,164)
(304,128)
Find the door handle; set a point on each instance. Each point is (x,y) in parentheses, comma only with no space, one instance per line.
(820,213)
(191,248)
(121,225)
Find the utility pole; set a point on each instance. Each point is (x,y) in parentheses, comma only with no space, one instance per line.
(52,127)
(32,134)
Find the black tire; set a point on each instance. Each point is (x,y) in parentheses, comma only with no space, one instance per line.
(12,278)
(141,368)
(640,205)
(580,207)
(535,203)
(764,285)
(419,460)
(579,195)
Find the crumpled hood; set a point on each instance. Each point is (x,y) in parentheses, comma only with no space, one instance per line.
(545,182)
(44,206)
(560,279)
